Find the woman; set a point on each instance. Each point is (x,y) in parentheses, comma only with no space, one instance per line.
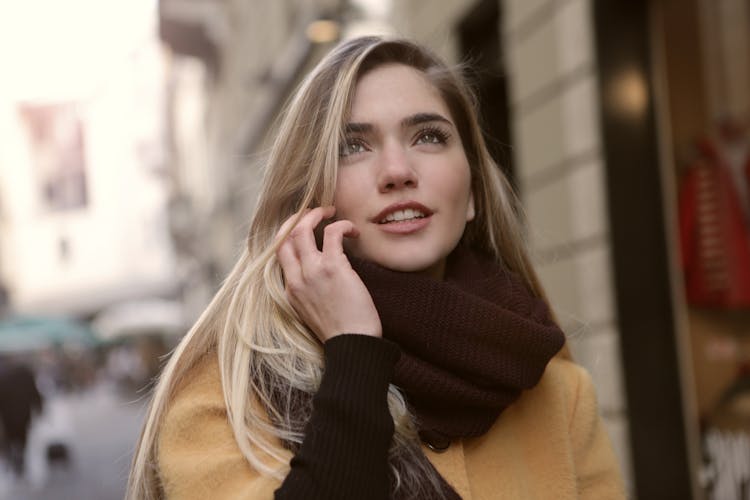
(384,334)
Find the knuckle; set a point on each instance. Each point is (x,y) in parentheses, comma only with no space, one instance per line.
(328,268)
(283,246)
(293,287)
(312,272)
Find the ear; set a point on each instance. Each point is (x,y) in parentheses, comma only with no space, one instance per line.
(470,212)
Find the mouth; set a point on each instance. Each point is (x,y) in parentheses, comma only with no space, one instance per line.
(402,212)
(402,215)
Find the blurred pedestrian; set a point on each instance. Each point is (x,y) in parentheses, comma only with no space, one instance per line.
(384,334)
(19,401)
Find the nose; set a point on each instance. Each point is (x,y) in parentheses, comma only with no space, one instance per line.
(395,170)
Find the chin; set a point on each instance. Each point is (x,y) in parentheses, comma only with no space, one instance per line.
(407,258)
(404,267)
(409,263)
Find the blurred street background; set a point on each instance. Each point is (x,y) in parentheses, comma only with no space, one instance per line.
(98,427)
(132,137)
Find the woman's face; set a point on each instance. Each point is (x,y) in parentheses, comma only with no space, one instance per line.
(404,180)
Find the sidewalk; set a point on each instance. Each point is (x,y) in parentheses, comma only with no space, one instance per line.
(99,428)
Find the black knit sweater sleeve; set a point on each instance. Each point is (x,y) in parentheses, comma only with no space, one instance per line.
(345,449)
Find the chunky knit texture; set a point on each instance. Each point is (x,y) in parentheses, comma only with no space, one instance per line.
(470,344)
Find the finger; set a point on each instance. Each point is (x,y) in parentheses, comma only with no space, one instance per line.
(289,262)
(288,224)
(302,236)
(333,239)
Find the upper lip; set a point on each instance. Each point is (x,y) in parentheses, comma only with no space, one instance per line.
(402,205)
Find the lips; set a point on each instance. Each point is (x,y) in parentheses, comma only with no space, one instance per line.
(401,212)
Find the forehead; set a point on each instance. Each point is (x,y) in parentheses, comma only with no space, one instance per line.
(392,91)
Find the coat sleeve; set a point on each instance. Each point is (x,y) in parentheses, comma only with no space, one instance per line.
(343,454)
(197,455)
(597,469)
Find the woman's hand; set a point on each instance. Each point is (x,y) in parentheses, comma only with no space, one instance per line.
(321,285)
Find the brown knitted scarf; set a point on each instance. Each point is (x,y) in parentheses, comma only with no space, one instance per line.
(470,343)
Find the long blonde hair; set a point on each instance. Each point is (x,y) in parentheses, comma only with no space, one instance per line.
(267,356)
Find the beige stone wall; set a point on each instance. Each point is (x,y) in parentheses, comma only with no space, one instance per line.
(559,164)
(431,23)
(558,152)
(261,45)
(258,35)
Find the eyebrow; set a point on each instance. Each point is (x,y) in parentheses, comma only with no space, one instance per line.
(409,121)
(420,118)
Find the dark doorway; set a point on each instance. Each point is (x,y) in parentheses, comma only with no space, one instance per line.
(635,196)
(480,44)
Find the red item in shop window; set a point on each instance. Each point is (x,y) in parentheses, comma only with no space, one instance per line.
(714,237)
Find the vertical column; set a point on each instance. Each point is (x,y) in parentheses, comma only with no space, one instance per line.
(560,168)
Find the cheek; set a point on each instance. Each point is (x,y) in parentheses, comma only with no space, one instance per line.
(470,209)
(460,192)
(348,191)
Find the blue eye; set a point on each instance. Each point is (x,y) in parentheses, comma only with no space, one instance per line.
(352,147)
(432,135)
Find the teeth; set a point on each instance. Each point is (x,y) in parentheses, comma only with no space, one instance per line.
(400,215)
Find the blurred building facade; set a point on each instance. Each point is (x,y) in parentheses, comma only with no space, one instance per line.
(83,197)
(232,67)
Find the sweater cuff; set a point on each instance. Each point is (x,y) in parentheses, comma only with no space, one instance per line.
(345,450)
(359,364)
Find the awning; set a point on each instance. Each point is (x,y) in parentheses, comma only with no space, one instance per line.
(142,317)
(30,333)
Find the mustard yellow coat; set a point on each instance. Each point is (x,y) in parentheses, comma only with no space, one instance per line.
(550,444)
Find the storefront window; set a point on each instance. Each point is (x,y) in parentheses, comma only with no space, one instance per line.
(703,48)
